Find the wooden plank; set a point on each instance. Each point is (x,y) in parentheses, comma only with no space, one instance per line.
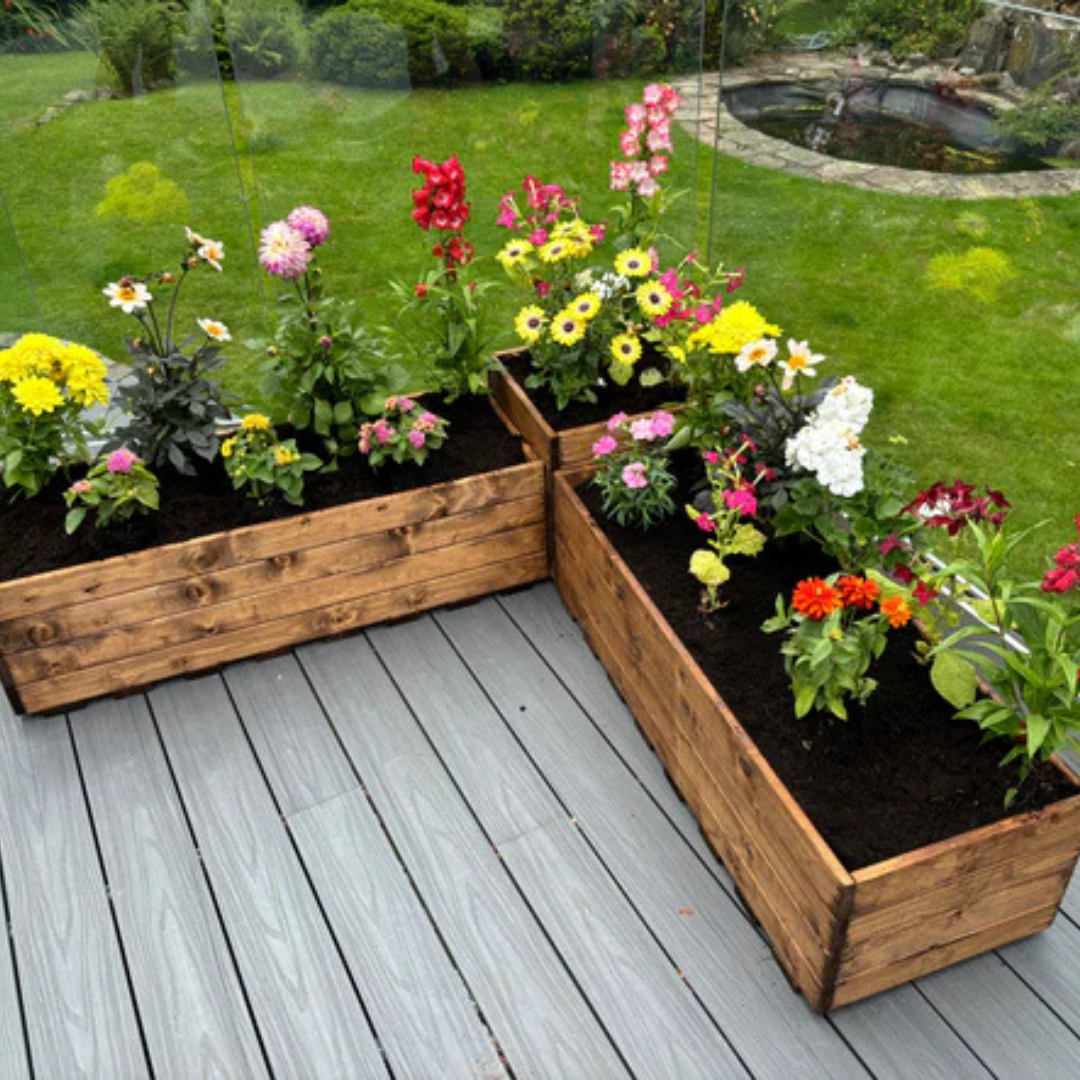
(307,1011)
(543,1024)
(1050,964)
(276,634)
(227,616)
(523,414)
(419,1005)
(14,1062)
(701,928)
(79,1013)
(260,577)
(192,1008)
(170,562)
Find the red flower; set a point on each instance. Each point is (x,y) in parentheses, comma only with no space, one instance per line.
(858,592)
(1060,580)
(903,574)
(420,289)
(924,593)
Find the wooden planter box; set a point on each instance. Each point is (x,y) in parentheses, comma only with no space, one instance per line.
(570,448)
(124,622)
(840,936)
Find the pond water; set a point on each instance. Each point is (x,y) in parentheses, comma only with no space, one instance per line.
(910,127)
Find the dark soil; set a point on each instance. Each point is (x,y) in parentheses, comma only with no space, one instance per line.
(900,774)
(630,399)
(32,537)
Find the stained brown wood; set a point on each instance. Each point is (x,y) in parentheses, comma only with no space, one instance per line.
(124,623)
(839,936)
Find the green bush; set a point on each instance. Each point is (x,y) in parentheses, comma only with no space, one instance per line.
(266,37)
(134,39)
(357,48)
(437,36)
(551,40)
(931,27)
(487,42)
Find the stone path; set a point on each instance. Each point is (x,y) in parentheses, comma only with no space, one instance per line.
(710,122)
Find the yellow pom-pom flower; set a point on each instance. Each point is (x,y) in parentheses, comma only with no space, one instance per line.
(633,263)
(567,329)
(529,324)
(255,422)
(626,348)
(653,299)
(733,329)
(85,374)
(37,395)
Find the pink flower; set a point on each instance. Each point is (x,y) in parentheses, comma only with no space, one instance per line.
(604,446)
(663,424)
(633,476)
(283,251)
(658,165)
(310,223)
(509,215)
(426,422)
(365,439)
(538,237)
(647,187)
(620,176)
(543,288)
(120,461)
(924,593)
(597,232)
(711,456)
(657,115)
(890,543)
(642,430)
(617,421)
(383,431)
(743,500)
(81,487)
(417,439)
(659,138)
(406,404)
(630,144)
(653,95)
(635,117)
(704,522)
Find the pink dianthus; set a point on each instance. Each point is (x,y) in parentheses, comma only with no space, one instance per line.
(604,446)
(633,476)
(616,421)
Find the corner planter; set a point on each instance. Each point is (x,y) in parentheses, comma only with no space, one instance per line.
(840,936)
(569,448)
(124,622)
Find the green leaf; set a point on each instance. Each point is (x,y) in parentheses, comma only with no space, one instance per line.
(343,412)
(954,679)
(74,519)
(324,417)
(1037,729)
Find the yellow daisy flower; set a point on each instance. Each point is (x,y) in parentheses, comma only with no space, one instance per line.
(567,329)
(514,253)
(585,306)
(633,263)
(555,251)
(37,395)
(626,348)
(653,299)
(529,323)
(255,422)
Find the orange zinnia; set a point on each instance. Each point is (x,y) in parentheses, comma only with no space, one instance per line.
(858,592)
(815,598)
(896,610)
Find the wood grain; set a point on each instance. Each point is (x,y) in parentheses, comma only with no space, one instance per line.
(523,414)
(192,1008)
(14,1062)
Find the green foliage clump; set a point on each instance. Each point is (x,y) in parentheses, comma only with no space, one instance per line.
(487,42)
(143,195)
(266,37)
(550,40)
(980,272)
(358,48)
(134,39)
(1048,117)
(931,27)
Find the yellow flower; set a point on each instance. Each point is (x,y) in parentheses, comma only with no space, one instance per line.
(32,354)
(653,299)
(284,456)
(85,373)
(514,253)
(733,329)
(677,353)
(567,329)
(529,323)
(708,568)
(626,348)
(37,395)
(555,251)
(227,447)
(634,263)
(255,422)
(585,306)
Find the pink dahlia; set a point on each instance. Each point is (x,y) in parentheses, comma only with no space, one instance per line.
(283,251)
(310,223)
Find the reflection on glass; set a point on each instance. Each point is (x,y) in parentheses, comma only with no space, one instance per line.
(18,305)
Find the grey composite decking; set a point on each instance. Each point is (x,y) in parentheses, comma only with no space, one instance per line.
(437,849)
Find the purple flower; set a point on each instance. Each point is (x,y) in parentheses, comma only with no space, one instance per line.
(120,461)
(417,439)
(283,251)
(633,476)
(310,223)
(604,446)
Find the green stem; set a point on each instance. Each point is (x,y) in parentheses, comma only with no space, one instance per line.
(172,310)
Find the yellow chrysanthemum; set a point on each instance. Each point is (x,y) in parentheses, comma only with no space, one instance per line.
(284,456)
(227,447)
(255,422)
(32,354)
(633,263)
(85,373)
(567,329)
(529,324)
(626,348)
(733,329)
(653,299)
(37,395)
(585,306)
(514,253)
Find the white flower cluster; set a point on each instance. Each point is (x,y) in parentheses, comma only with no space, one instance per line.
(828,445)
(605,286)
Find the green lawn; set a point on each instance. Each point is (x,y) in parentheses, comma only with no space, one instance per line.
(983,390)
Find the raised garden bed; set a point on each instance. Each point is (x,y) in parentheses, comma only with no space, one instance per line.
(564,440)
(119,623)
(842,928)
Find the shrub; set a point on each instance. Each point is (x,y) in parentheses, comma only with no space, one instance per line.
(134,39)
(551,40)
(357,48)
(487,42)
(437,37)
(266,37)
(932,27)
(143,195)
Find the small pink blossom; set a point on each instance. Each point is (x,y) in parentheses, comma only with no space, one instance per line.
(383,431)
(635,116)
(711,456)
(426,422)
(121,461)
(310,223)
(538,237)
(604,446)
(642,430)
(659,138)
(633,476)
(663,424)
(647,187)
(630,144)
(615,422)
(406,404)
(704,522)
(417,439)
(658,165)
(743,500)
(81,487)
(283,251)
(653,95)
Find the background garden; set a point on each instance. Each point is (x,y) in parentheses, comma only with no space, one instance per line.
(125,120)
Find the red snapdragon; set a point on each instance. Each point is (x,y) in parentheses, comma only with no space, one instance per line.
(440,205)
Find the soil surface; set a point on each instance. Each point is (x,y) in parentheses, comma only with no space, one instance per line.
(630,399)
(32,537)
(900,774)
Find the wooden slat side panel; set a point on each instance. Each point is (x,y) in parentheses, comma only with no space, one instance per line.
(524,416)
(281,633)
(126,573)
(123,644)
(933,959)
(286,566)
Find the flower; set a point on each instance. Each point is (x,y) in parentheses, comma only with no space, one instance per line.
(283,251)
(633,476)
(858,592)
(427,421)
(633,263)
(212,252)
(555,251)
(37,395)
(218,331)
(310,223)
(121,461)
(663,424)
(585,306)
(626,348)
(642,430)
(515,252)
(756,354)
(653,299)
(800,361)
(283,456)
(896,610)
(831,450)
(567,329)
(130,296)
(604,445)
(81,487)
(742,499)
(704,522)
(417,439)
(735,327)
(708,568)
(616,421)
(848,403)
(815,598)
(405,404)
(255,422)
(924,593)
(383,431)
(227,447)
